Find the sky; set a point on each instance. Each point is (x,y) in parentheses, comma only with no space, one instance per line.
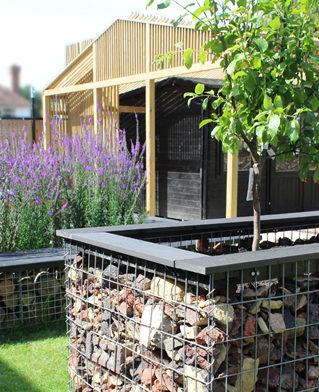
(34,33)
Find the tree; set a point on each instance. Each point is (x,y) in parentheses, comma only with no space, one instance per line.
(270,92)
(25,92)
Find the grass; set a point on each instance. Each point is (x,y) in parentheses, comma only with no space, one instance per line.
(34,359)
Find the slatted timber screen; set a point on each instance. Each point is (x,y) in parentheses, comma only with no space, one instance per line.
(122,49)
(72,51)
(8,126)
(80,105)
(77,74)
(163,38)
(108,99)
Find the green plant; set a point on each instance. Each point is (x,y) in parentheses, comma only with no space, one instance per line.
(270,92)
(90,180)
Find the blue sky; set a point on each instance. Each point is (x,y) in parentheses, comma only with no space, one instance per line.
(34,33)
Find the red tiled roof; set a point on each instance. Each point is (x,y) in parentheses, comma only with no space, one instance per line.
(10,99)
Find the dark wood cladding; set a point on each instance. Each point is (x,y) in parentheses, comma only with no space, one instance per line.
(190,174)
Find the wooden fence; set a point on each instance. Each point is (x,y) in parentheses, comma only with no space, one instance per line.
(16,125)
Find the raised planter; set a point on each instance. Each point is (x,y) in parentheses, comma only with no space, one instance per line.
(145,315)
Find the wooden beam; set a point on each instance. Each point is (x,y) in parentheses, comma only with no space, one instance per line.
(232,185)
(165,73)
(150,146)
(132,109)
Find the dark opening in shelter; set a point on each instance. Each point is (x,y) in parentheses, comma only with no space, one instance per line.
(191,166)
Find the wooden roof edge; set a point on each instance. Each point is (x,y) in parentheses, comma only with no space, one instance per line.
(67,68)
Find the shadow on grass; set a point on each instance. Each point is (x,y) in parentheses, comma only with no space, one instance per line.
(31,333)
(11,381)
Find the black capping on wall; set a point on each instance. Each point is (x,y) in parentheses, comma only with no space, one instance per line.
(196,227)
(111,239)
(32,259)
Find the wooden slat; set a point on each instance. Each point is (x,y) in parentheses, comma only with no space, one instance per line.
(232,186)
(132,109)
(150,146)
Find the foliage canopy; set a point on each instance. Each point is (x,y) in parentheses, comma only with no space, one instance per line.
(270,92)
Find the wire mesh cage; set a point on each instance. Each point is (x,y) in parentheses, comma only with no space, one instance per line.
(139,326)
(191,322)
(31,292)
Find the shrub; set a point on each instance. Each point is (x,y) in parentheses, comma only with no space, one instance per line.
(89,180)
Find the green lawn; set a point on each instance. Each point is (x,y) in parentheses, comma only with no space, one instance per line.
(34,359)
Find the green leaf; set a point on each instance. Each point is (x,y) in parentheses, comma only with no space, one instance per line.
(259,131)
(278,101)
(273,73)
(314,103)
(293,130)
(303,169)
(202,57)
(188,58)
(238,74)
(189,95)
(267,102)
(274,123)
(204,122)
(179,45)
(275,23)
(149,3)
(204,104)
(200,10)
(242,3)
(217,102)
(163,5)
(234,90)
(188,61)
(316,175)
(199,89)
(262,44)
(231,67)
(250,83)
(256,62)
(190,101)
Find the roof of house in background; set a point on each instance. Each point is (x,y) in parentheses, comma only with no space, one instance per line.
(10,99)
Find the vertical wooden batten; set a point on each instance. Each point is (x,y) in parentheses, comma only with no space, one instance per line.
(232,185)
(150,128)
(95,97)
(150,146)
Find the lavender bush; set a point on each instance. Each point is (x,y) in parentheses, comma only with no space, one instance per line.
(90,180)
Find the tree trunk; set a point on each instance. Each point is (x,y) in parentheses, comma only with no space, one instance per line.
(256,205)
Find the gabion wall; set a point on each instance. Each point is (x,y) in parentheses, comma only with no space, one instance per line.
(136,325)
(31,296)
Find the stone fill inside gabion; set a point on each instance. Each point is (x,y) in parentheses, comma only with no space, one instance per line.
(144,328)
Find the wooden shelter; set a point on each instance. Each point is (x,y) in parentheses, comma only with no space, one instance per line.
(113,77)
(120,60)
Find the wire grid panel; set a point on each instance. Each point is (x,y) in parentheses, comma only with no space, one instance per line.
(216,241)
(269,328)
(31,296)
(136,326)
